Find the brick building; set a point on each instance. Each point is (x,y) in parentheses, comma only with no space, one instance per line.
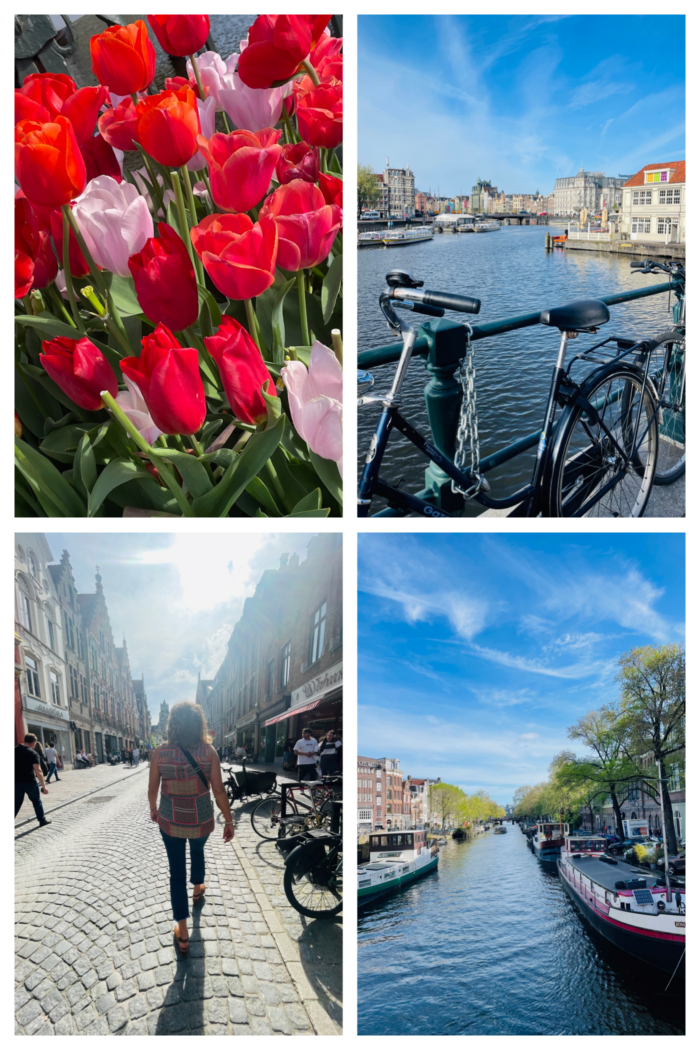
(380,794)
(284,666)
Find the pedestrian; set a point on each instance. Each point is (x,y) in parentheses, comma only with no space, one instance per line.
(148,754)
(52,758)
(329,751)
(186,766)
(219,752)
(27,772)
(288,754)
(130,757)
(42,757)
(135,755)
(241,753)
(305,750)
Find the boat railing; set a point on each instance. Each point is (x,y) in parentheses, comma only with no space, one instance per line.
(442,343)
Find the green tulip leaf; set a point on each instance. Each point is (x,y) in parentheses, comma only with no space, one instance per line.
(116,473)
(277,323)
(85,467)
(273,403)
(54,492)
(48,325)
(323,512)
(331,287)
(192,472)
(327,470)
(215,309)
(259,491)
(311,502)
(123,294)
(237,477)
(294,487)
(62,443)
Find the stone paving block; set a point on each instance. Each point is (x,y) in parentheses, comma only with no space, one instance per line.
(89,979)
(116,1018)
(29,1012)
(50,1001)
(146,981)
(114,980)
(42,989)
(279,1020)
(241,1029)
(105,1002)
(125,991)
(129,970)
(64,1026)
(163,975)
(35,979)
(254,1006)
(138,1007)
(67,981)
(39,1026)
(217,1011)
(150,961)
(139,1027)
(235,986)
(83,1019)
(237,1011)
(259,1026)
(175,1018)
(172,994)
(75,993)
(97,1027)
(155,998)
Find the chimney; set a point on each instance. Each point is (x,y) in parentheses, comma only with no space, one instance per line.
(294,561)
(283,561)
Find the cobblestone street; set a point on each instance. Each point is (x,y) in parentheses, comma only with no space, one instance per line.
(94,944)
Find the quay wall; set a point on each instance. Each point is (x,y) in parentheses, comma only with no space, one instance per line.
(653,250)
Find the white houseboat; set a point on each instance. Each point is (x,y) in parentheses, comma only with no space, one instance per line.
(395,859)
(548,839)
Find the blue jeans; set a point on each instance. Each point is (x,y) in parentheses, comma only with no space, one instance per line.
(177,858)
(34,796)
(52,772)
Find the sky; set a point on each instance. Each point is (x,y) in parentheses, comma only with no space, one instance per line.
(519,100)
(477,652)
(175,598)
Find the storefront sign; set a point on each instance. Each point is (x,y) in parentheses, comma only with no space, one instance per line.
(322,683)
(47,710)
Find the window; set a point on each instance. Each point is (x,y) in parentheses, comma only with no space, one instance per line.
(52,634)
(670,196)
(285,663)
(74,683)
(84,690)
(641,225)
(32,566)
(665,225)
(55,689)
(379,803)
(71,635)
(25,611)
(364,814)
(641,197)
(33,677)
(318,633)
(270,677)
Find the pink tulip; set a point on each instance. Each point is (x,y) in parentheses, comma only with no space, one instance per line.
(115,221)
(132,403)
(207,121)
(248,108)
(316,402)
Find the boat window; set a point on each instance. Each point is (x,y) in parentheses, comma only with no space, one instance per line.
(384,841)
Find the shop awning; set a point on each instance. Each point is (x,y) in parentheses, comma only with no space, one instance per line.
(330,695)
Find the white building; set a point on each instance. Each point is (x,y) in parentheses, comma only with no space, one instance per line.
(653,204)
(398,192)
(591,190)
(39,625)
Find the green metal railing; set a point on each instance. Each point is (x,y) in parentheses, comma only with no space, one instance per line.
(443,344)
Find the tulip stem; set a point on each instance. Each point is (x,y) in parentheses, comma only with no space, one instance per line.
(196,445)
(301,288)
(252,323)
(337,341)
(181,213)
(164,469)
(288,124)
(159,201)
(56,299)
(226,123)
(312,72)
(68,276)
(195,67)
(134,98)
(193,213)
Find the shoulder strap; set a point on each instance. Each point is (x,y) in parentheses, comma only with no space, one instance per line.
(196,766)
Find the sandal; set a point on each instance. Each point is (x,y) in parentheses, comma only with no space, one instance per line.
(180,941)
(198,896)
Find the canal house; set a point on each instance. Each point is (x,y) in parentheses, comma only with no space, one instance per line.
(653,204)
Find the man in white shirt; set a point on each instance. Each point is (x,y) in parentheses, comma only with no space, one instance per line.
(241,752)
(305,750)
(136,756)
(51,756)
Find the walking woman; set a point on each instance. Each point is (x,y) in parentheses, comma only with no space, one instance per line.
(185,767)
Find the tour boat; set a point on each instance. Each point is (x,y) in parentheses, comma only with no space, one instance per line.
(408,235)
(395,859)
(632,910)
(548,840)
(371,238)
(499,830)
(486,227)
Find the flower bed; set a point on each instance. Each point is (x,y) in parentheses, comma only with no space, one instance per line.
(178,326)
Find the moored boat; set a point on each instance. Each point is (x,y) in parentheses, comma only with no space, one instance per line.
(486,227)
(395,859)
(500,829)
(408,235)
(548,840)
(632,910)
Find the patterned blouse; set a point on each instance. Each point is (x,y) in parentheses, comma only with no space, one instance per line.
(185,810)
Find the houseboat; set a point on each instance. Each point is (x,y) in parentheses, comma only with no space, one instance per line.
(633,911)
(395,859)
(548,840)
(407,235)
(487,227)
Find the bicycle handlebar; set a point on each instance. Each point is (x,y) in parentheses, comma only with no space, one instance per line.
(465,304)
(421,308)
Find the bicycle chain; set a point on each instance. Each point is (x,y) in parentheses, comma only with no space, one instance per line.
(468,429)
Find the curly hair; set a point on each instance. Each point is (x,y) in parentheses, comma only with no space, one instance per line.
(187,725)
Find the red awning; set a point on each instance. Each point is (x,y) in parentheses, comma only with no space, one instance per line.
(295,711)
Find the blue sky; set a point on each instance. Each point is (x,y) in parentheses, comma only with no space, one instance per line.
(175,597)
(520,100)
(476,652)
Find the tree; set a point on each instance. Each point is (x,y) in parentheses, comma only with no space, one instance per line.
(606,734)
(369,190)
(445,800)
(652,684)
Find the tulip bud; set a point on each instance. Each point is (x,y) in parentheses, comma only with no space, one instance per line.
(242,370)
(164,280)
(80,369)
(238,254)
(123,58)
(307,225)
(180,34)
(167,375)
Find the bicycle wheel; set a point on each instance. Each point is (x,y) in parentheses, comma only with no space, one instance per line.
(265,817)
(318,893)
(604,467)
(667,367)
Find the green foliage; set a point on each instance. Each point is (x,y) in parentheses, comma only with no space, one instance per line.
(369,191)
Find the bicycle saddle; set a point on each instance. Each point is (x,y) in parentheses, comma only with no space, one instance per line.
(581,316)
(402,279)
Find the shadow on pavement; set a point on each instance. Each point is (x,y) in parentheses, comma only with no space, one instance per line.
(182,1011)
(322,940)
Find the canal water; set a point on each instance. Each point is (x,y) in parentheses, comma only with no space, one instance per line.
(512,274)
(491,944)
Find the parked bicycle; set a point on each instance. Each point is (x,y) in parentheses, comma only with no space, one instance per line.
(620,427)
(248,783)
(313,869)
(306,805)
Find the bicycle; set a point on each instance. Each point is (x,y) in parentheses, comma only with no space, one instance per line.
(600,456)
(313,871)
(269,815)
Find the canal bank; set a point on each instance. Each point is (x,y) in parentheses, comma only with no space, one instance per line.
(491,944)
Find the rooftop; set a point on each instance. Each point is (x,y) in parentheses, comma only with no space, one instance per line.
(678,175)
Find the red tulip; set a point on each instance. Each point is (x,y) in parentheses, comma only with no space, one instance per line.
(100,159)
(80,369)
(117,126)
(167,375)
(238,254)
(175,83)
(240,166)
(180,34)
(320,112)
(48,162)
(33,239)
(54,93)
(78,265)
(328,47)
(332,189)
(307,225)
(123,58)
(242,370)
(26,108)
(168,125)
(165,283)
(298,161)
(277,46)
(24,274)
